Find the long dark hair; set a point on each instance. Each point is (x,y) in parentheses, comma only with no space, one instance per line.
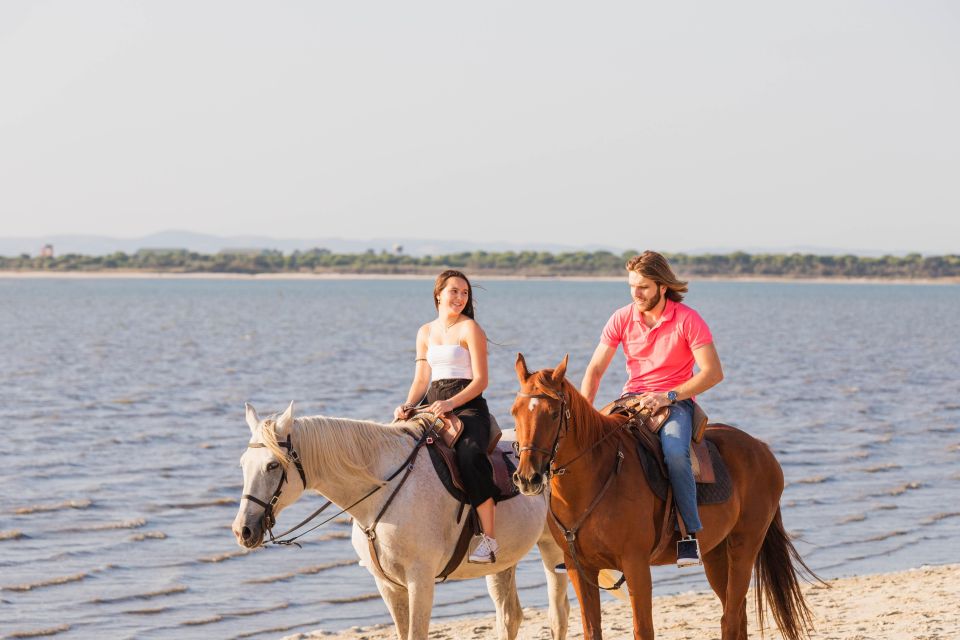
(442,282)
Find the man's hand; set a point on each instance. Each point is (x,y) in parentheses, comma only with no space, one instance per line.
(654,401)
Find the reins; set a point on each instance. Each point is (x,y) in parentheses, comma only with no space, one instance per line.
(269,520)
(570,534)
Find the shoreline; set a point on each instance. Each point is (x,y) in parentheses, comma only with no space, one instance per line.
(478,276)
(917,603)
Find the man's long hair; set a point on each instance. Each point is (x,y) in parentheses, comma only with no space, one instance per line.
(654,266)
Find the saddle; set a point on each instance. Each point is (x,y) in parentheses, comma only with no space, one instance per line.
(714,485)
(700,458)
(442,434)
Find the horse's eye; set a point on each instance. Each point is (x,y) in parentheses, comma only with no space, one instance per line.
(272,466)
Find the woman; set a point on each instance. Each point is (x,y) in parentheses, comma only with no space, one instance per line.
(451,369)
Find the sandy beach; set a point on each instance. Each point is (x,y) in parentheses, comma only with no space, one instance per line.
(919,604)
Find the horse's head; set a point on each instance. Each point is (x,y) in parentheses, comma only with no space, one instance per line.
(540,410)
(272,476)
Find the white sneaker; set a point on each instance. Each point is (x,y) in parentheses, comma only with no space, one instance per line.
(485,552)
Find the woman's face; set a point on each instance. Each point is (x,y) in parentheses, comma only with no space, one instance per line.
(454,295)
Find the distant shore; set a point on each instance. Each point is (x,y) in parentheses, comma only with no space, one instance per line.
(919,604)
(475,275)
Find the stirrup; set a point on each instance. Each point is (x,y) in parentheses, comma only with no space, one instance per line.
(688,552)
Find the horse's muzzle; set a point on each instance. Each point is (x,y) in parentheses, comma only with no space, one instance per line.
(249,534)
(531,486)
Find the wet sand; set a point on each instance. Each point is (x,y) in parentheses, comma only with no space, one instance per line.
(919,604)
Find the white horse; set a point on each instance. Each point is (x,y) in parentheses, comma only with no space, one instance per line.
(344,460)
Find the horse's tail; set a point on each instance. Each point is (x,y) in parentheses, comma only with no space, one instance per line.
(776,577)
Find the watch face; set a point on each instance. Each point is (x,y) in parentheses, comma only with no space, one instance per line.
(672,396)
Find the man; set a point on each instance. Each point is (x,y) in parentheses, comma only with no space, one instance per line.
(662,339)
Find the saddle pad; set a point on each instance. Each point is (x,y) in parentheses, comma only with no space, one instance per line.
(502,460)
(716,492)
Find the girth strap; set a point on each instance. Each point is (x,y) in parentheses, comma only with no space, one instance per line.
(571,533)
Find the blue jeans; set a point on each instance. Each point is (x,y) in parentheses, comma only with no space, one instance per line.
(675,439)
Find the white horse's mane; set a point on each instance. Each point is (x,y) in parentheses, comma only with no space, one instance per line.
(342,446)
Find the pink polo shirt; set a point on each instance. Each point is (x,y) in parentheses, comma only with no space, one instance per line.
(661,357)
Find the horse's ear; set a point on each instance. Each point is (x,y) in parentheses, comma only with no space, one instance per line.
(253,420)
(560,371)
(285,421)
(522,372)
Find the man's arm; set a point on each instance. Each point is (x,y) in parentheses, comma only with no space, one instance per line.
(711,373)
(598,366)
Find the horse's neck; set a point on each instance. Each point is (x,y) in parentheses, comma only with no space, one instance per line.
(346,489)
(590,465)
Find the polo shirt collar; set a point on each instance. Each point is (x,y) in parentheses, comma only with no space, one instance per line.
(669,309)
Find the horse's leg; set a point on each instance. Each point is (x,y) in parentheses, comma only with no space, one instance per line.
(589,597)
(559,612)
(420,589)
(716,567)
(637,573)
(502,587)
(742,550)
(396,600)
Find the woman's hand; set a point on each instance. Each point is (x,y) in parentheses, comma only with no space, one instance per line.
(441,407)
(402,412)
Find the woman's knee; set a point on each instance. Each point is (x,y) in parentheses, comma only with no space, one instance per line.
(467,449)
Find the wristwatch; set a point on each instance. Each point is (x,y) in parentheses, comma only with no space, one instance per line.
(672,396)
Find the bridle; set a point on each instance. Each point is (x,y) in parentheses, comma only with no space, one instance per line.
(563,422)
(269,518)
(570,533)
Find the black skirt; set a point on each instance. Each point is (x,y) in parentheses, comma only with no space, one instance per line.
(471,448)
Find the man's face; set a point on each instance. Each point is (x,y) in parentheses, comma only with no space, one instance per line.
(645,292)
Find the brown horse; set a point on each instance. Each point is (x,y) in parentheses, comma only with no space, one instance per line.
(603,495)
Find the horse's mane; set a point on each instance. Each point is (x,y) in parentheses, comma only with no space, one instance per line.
(591,425)
(341,446)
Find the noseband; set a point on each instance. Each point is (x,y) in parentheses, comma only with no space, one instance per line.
(563,421)
(269,518)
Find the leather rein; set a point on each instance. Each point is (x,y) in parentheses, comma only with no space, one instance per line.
(269,519)
(570,534)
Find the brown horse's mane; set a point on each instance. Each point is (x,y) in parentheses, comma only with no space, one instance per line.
(591,425)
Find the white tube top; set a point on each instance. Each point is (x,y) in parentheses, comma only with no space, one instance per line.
(449,361)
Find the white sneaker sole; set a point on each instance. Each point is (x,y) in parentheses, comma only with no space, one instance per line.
(491,559)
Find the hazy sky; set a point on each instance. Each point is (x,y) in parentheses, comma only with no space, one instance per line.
(668,125)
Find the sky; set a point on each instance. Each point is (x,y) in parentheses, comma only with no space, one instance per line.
(671,125)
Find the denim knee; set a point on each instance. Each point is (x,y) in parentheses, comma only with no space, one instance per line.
(677,458)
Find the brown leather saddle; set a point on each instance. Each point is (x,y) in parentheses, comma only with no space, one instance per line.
(714,485)
(441,439)
(700,458)
(441,436)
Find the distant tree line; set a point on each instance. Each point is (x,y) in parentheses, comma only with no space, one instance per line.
(523,263)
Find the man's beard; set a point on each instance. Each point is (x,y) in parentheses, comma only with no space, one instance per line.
(651,304)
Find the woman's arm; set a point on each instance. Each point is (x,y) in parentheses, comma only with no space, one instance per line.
(476,341)
(421,377)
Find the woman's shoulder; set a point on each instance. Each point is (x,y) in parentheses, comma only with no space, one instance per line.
(472,328)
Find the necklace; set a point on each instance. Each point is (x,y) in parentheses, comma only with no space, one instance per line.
(448,327)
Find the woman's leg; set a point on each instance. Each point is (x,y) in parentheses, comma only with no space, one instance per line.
(487,513)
